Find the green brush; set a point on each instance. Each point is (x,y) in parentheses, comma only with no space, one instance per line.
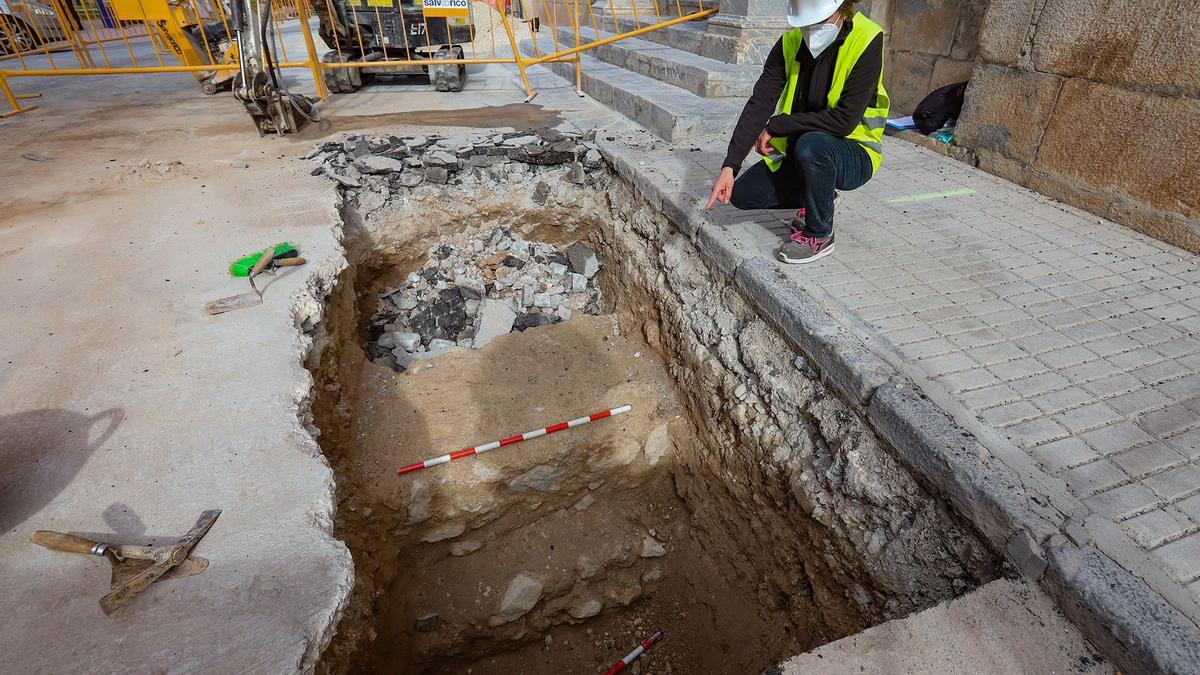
(241,267)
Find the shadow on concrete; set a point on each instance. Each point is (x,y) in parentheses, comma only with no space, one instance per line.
(126,528)
(40,453)
(121,519)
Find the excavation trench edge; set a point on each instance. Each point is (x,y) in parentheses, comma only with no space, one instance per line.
(1131,623)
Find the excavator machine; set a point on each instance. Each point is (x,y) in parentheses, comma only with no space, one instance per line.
(225,32)
(366,31)
(423,33)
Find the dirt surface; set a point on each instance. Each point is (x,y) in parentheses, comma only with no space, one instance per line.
(126,410)
(581,533)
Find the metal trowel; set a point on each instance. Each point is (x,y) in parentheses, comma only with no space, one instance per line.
(136,567)
(243,300)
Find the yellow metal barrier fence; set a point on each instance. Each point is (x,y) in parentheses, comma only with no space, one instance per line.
(364,37)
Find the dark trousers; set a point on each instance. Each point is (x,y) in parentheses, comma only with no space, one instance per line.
(816,165)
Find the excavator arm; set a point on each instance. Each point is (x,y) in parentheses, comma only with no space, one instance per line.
(260,84)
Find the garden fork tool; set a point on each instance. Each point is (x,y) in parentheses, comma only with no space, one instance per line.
(136,567)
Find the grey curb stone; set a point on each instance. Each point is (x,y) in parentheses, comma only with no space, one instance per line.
(680,209)
(981,488)
(649,189)
(721,252)
(852,369)
(623,163)
(1025,553)
(1104,599)
(683,212)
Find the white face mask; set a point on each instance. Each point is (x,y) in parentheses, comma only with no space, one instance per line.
(818,37)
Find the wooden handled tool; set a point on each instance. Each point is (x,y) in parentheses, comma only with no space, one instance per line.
(69,543)
(266,262)
(136,567)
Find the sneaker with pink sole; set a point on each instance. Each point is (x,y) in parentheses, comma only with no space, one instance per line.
(800,249)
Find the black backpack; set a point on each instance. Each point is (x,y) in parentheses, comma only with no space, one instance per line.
(940,105)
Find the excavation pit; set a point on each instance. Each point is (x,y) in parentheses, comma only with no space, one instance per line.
(740,506)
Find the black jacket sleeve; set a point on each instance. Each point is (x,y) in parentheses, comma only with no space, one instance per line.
(857,94)
(758,109)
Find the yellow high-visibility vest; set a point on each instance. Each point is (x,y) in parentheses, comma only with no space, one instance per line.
(869,132)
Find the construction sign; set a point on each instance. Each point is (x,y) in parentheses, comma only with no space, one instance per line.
(460,8)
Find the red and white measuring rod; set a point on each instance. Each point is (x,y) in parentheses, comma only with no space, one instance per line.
(633,655)
(417,466)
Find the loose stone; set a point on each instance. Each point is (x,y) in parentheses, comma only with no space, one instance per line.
(522,595)
(583,259)
(652,548)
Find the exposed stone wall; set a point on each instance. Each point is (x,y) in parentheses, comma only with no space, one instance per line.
(769,424)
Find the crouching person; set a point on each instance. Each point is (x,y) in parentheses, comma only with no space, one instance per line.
(817,116)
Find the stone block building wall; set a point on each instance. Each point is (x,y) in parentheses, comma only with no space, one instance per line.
(1093,102)
(930,43)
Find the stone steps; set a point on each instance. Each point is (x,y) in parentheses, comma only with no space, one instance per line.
(704,38)
(687,37)
(672,113)
(700,75)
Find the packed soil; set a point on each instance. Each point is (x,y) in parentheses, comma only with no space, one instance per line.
(585,512)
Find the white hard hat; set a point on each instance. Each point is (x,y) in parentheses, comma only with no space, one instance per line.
(807,12)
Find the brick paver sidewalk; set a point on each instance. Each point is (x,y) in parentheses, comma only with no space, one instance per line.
(1069,341)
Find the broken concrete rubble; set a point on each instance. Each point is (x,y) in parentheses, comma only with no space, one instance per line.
(495,319)
(583,260)
(371,166)
(446,532)
(475,287)
(461,548)
(427,623)
(379,164)
(585,608)
(657,444)
(541,478)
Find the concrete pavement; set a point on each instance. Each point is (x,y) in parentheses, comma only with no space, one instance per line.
(1005,626)
(1059,335)
(125,411)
